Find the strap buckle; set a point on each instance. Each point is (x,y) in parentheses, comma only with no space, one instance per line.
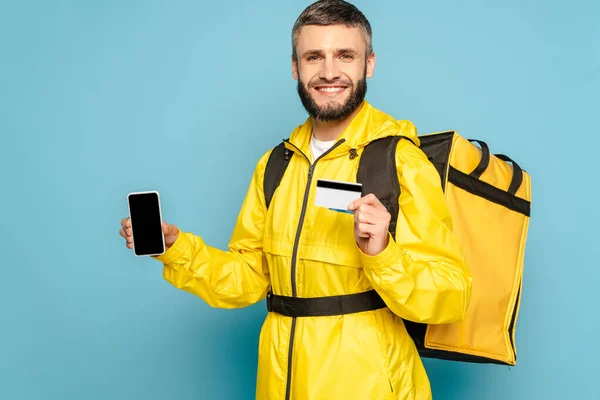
(269,301)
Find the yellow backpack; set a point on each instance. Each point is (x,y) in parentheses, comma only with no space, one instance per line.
(490,204)
(489,200)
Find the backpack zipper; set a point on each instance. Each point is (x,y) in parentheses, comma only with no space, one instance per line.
(311,170)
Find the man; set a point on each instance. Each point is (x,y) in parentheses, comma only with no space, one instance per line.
(295,249)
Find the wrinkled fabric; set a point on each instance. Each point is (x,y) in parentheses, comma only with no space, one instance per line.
(421,275)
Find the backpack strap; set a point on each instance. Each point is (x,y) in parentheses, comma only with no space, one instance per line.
(485,159)
(517,178)
(276,166)
(378,174)
(376,171)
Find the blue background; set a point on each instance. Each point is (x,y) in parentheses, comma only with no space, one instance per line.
(98,99)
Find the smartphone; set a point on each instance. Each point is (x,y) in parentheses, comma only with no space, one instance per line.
(146,223)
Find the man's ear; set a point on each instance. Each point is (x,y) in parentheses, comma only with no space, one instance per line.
(371,65)
(294,67)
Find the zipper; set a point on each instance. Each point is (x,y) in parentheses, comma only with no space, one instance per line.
(311,171)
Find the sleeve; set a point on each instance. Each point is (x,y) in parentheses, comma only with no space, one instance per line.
(422,274)
(235,278)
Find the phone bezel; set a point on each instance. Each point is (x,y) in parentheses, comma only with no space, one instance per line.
(161,220)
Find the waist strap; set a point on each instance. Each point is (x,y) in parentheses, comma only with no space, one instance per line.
(324,306)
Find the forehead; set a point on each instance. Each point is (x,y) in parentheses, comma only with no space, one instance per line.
(329,38)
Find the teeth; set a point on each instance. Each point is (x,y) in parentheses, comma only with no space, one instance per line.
(331,90)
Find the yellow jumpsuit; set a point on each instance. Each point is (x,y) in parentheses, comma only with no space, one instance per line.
(421,275)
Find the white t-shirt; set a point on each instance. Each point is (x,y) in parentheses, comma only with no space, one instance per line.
(319,147)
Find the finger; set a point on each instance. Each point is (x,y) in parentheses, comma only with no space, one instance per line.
(365,230)
(372,200)
(363,216)
(169,229)
(354,205)
(369,199)
(371,212)
(126,223)
(125,232)
(379,210)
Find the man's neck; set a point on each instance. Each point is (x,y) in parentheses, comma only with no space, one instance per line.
(328,131)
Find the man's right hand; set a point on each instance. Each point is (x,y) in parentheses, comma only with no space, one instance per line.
(169,230)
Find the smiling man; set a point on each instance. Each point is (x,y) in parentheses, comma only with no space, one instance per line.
(338,285)
(331,61)
(334,91)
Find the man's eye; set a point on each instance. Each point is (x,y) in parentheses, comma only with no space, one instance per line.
(312,58)
(347,57)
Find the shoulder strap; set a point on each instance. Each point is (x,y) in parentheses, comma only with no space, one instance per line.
(378,175)
(376,171)
(276,166)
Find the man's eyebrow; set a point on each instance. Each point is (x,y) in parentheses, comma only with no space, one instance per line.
(318,52)
(351,51)
(315,52)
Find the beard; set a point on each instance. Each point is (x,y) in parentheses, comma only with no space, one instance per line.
(333,110)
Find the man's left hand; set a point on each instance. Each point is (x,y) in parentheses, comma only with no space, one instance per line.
(371,224)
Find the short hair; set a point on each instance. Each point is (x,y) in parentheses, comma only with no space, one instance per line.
(333,12)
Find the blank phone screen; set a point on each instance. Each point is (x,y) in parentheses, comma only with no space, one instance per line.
(144,209)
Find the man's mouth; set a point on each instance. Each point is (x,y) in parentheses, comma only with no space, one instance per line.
(330,89)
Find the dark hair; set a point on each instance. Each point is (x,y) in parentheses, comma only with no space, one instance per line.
(333,12)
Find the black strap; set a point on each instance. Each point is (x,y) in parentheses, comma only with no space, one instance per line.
(488,192)
(517,178)
(377,169)
(485,159)
(324,306)
(276,166)
(378,174)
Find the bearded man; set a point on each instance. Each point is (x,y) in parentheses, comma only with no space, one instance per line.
(339,285)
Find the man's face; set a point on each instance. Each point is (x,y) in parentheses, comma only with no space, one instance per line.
(331,70)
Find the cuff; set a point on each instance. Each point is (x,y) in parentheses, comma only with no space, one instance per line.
(388,257)
(177,251)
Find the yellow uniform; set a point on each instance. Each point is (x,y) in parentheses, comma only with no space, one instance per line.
(294,248)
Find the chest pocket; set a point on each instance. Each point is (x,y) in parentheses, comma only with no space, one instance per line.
(326,235)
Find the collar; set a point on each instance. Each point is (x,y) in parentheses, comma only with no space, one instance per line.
(367,125)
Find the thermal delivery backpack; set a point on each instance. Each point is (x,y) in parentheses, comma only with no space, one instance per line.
(489,198)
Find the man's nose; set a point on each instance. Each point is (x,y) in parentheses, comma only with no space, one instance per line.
(329,69)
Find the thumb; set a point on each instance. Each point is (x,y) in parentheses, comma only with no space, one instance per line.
(168,229)
(353,205)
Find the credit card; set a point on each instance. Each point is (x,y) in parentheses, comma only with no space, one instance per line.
(337,195)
